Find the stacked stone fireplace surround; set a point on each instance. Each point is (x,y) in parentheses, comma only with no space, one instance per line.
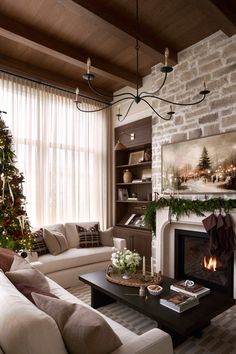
(212,60)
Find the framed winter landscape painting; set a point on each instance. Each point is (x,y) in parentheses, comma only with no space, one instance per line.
(200,166)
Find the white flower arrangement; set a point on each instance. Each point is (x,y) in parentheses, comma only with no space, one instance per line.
(125,260)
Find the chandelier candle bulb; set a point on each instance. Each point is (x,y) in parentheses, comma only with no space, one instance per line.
(88,65)
(76,93)
(167,52)
(144,269)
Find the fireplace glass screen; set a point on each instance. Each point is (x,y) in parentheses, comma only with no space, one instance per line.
(193,261)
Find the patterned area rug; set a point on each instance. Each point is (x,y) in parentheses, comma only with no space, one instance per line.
(219,337)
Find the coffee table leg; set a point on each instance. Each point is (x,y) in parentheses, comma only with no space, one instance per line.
(99,299)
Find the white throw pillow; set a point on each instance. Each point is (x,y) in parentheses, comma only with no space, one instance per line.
(55,241)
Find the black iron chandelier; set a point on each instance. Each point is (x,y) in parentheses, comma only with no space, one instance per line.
(139,96)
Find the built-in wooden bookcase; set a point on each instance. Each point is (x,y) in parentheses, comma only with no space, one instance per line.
(129,212)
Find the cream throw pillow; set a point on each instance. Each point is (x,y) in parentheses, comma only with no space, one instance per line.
(22,272)
(83,330)
(55,241)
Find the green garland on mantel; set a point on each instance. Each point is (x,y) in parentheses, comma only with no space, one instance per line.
(181,207)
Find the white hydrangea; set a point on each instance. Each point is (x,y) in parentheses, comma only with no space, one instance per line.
(125,260)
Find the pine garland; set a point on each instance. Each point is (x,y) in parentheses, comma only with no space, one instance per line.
(181,207)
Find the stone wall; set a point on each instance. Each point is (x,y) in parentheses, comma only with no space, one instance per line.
(212,60)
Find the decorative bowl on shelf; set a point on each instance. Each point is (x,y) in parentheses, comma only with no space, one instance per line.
(154,289)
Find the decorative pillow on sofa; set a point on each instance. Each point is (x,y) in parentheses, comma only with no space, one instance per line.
(27,289)
(107,237)
(6,258)
(38,244)
(55,241)
(22,272)
(88,237)
(83,330)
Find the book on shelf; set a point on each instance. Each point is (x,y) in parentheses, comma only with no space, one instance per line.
(195,289)
(129,219)
(137,181)
(179,302)
(132,198)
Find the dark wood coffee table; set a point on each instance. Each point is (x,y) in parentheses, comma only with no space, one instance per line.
(179,326)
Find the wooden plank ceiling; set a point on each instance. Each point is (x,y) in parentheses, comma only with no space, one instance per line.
(50,40)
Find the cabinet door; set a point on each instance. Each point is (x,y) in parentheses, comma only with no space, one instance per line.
(126,234)
(142,243)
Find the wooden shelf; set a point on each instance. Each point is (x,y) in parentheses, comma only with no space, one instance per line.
(137,238)
(140,164)
(132,183)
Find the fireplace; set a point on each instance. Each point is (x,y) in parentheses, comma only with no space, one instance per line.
(163,245)
(194,261)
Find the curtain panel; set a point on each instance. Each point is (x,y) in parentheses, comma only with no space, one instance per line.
(63,153)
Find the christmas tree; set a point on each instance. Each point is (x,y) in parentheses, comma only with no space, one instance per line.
(14,225)
(204,162)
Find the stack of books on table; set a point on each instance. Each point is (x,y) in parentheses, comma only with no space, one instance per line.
(179,302)
(196,290)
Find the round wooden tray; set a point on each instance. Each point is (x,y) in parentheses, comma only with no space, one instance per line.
(136,280)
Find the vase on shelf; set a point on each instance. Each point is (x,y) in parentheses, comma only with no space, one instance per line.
(127,176)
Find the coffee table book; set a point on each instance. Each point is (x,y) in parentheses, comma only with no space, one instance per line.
(179,302)
(196,290)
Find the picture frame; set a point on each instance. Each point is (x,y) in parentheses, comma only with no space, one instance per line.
(200,166)
(136,157)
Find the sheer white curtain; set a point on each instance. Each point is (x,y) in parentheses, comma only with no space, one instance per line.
(62,152)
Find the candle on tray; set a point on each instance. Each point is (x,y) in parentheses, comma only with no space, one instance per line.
(144,270)
(152,271)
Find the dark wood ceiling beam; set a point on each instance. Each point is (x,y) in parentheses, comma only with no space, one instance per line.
(126,28)
(51,46)
(221,12)
(44,76)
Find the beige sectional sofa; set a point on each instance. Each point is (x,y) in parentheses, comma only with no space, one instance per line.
(66,267)
(25,329)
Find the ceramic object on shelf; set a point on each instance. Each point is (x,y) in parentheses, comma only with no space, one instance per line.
(127,176)
(154,289)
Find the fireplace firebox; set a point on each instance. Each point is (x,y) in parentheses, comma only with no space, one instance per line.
(194,261)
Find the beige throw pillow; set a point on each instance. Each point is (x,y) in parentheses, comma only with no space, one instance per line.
(83,330)
(22,272)
(107,237)
(55,241)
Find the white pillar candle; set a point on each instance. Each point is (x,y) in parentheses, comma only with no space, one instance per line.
(144,269)
(152,271)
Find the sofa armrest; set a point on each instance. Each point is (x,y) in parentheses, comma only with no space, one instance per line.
(119,243)
(154,341)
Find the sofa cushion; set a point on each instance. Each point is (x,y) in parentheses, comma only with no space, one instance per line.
(72,258)
(38,244)
(23,327)
(22,272)
(27,290)
(107,237)
(6,258)
(56,242)
(72,233)
(88,237)
(83,330)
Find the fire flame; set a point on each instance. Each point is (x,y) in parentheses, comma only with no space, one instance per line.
(210,264)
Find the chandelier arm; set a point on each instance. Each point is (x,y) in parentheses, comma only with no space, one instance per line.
(175,103)
(91,111)
(153,109)
(123,118)
(148,93)
(106,95)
